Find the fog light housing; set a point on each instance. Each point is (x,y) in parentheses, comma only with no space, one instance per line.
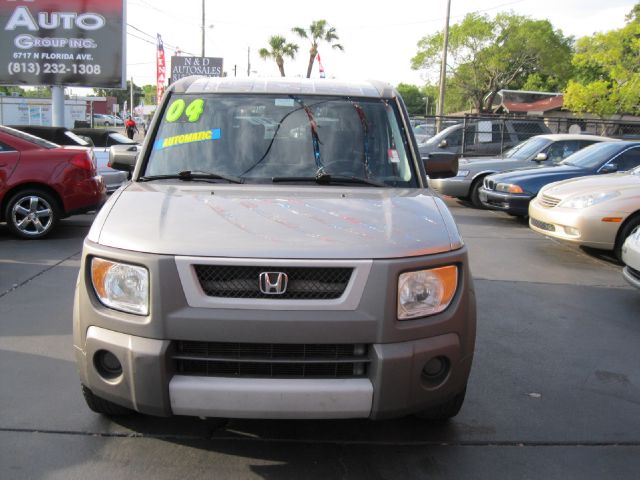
(574,232)
(107,364)
(435,371)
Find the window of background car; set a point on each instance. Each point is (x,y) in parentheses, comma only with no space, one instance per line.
(78,140)
(527,148)
(259,137)
(115,138)
(627,160)
(41,142)
(592,156)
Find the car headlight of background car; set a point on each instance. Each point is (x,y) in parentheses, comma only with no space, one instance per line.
(509,188)
(121,286)
(426,292)
(584,201)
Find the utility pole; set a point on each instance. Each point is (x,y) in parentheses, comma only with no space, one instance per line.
(57,105)
(202,28)
(248,62)
(131,98)
(443,70)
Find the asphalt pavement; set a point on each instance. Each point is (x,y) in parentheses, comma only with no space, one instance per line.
(554,391)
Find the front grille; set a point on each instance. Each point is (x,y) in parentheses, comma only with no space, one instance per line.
(271,360)
(542,225)
(489,184)
(304,283)
(548,201)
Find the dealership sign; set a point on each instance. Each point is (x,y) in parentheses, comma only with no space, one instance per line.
(184,66)
(62,42)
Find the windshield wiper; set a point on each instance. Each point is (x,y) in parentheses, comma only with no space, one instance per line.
(188,175)
(327,179)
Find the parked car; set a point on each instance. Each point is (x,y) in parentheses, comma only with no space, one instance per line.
(103,120)
(537,151)
(598,211)
(303,273)
(103,139)
(42,182)
(117,121)
(483,137)
(512,191)
(631,258)
(424,131)
(59,135)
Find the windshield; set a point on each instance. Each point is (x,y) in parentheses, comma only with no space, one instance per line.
(77,139)
(258,137)
(592,156)
(443,134)
(527,149)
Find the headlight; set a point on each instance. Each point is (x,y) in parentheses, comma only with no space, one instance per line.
(462,173)
(584,201)
(509,187)
(426,292)
(121,286)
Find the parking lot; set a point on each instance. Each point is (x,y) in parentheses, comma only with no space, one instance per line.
(554,391)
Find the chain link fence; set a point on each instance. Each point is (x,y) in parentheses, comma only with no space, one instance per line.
(482,135)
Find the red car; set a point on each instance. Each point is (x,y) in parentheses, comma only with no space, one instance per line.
(42,182)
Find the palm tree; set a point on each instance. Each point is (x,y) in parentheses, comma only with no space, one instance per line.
(279,49)
(318,31)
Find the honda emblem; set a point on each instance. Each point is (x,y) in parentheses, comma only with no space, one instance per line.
(273,283)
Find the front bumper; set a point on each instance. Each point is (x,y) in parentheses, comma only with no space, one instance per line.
(514,204)
(579,226)
(393,385)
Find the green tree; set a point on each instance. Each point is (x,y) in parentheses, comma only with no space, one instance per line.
(279,48)
(121,94)
(607,71)
(487,55)
(319,31)
(419,101)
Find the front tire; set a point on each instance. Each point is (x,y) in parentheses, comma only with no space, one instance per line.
(474,196)
(32,214)
(624,232)
(102,406)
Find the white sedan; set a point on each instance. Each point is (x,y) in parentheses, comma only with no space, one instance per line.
(631,258)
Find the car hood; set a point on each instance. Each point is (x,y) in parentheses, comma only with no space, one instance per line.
(275,222)
(625,183)
(522,176)
(493,164)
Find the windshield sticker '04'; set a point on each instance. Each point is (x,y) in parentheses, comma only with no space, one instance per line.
(213,134)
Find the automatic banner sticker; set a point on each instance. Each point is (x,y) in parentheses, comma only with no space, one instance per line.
(213,134)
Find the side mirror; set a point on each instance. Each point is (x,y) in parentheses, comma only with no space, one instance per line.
(609,168)
(541,157)
(441,164)
(443,143)
(123,157)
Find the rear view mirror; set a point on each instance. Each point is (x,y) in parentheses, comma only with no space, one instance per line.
(441,164)
(443,143)
(123,157)
(609,168)
(541,157)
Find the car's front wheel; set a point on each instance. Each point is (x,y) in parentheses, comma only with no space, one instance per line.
(32,214)
(629,226)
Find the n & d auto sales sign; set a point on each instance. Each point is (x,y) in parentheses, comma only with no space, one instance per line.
(62,42)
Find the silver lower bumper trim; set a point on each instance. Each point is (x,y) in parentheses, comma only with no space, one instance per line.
(271,398)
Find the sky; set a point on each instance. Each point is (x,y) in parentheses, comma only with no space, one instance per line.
(379,41)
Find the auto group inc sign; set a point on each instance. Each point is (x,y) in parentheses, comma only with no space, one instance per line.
(184,66)
(62,42)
